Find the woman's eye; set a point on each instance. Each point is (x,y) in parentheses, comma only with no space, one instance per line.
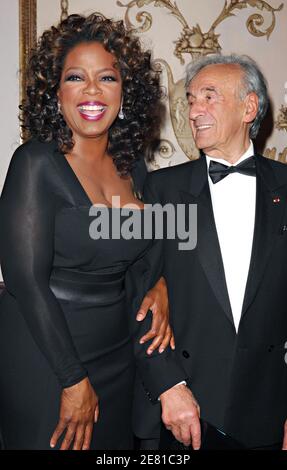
(108,78)
(73,78)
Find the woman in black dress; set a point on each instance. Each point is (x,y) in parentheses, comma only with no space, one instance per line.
(66,353)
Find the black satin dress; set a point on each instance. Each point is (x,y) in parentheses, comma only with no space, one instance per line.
(63,315)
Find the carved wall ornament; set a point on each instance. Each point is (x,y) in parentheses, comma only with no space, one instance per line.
(64,9)
(281,122)
(178,107)
(193,40)
(166,149)
(272,154)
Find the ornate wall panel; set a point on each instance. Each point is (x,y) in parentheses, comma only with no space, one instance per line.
(180,31)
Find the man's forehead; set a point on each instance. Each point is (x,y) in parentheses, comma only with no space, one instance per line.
(219,69)
(216,76)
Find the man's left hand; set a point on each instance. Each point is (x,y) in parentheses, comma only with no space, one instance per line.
(156,300)
(180,414)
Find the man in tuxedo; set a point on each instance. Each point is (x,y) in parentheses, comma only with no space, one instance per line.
(228,296)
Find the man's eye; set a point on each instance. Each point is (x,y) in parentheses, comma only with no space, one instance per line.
(73,78)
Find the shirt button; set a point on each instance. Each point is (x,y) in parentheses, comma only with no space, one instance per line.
(185,354)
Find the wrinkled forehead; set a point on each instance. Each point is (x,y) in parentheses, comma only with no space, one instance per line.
(221,77)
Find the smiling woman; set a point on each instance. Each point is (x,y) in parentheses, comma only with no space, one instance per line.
(68,327)
(90,90)
(130,66)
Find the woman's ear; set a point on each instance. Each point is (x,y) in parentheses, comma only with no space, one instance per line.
(251,107)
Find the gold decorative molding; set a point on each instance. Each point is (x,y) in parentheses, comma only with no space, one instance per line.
(27,39)
(281,122)
(272,154)
(178,111)
(192,40)
(28,36)
(166,149)
(64,9)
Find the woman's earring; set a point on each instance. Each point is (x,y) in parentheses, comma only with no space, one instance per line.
(59,108)
(121,112)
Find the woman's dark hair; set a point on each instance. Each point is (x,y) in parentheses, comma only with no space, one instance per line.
(129,139)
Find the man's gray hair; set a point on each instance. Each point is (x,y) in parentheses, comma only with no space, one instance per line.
(253,81)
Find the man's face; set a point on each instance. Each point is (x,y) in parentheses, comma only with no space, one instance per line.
(217,114)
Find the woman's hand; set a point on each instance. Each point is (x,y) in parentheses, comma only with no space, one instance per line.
(78,413)
(156,300)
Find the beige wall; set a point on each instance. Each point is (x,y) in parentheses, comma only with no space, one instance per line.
(234,36)
(9,89)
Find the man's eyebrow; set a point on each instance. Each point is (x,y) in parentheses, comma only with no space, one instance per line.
(209,88)
(206,88)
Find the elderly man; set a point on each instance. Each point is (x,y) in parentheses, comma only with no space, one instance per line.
(228,296)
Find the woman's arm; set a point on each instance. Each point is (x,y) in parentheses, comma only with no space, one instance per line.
(156,300)
(27,214)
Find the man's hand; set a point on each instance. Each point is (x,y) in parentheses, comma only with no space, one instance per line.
(156,300)
(180,414)
(284,446)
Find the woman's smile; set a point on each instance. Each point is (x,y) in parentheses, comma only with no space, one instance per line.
(92,110)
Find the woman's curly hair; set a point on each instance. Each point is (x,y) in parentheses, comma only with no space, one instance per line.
(129,139)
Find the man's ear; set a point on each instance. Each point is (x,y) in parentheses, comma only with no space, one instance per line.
(251,107)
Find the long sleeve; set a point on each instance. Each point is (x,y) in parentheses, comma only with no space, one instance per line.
(27,218)
(159,372)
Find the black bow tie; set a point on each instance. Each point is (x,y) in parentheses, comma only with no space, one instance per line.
(218,171)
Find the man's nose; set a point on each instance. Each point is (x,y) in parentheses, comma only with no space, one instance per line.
(196,109)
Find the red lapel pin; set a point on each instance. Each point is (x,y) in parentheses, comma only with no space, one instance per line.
(276,200)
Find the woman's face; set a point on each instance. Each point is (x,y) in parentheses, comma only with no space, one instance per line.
(90,90)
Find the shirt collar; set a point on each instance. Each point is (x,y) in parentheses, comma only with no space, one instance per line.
(249,152)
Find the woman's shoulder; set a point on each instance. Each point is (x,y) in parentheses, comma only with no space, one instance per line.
(33,154)
(35,149)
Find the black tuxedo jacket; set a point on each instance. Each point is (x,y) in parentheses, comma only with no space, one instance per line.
(239,379)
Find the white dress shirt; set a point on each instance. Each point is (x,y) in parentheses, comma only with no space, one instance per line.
(233,201)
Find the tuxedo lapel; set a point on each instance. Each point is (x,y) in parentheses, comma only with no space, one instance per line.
(270,207)
(207,240)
